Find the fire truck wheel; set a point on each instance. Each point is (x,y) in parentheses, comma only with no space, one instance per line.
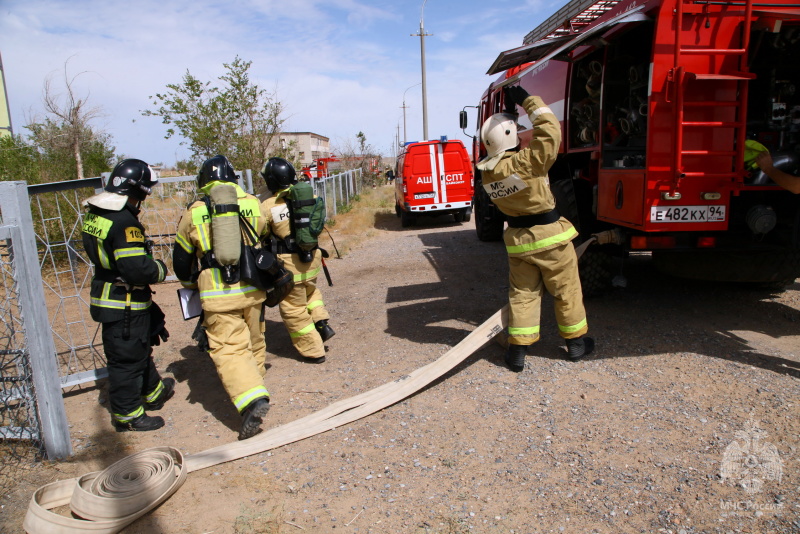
(488,220)
(462,215)
(595,269)
(397,210)
(407,219)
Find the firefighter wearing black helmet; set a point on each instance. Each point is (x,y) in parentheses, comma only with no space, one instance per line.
(116,244)
(303,310)
(233,315)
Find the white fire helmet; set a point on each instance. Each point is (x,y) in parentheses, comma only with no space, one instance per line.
(498,133)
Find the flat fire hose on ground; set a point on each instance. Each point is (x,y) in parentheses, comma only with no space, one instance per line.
(111,499)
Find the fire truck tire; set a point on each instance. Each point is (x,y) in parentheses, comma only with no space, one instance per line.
(595,270)
(773,268)
(488,225)
(397,210)
(407,219)
(566,204)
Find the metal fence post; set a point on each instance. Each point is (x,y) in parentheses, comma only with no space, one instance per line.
(249,180)
(16,210)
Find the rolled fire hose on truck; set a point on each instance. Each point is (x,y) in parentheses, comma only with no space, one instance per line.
(112,499)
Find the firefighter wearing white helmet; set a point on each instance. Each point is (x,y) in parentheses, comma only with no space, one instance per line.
(302,310)
(124,268)
(233,312)
(538,240)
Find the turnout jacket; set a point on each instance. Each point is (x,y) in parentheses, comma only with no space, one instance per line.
(115,244)
(194,240)
(518,184)
(277,212)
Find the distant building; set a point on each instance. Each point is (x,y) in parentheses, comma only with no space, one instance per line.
(5,110)
(308,146)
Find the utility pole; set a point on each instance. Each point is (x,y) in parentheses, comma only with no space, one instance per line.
(422,36)
(424,121)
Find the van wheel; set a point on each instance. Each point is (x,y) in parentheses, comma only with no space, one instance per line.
(407,219)
(462,215)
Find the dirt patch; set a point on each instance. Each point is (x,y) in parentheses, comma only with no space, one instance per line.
(631,440)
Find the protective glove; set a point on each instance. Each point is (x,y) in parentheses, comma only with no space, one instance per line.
(158,326)
(516,94)
(199,335)
(162,334)
(162,269)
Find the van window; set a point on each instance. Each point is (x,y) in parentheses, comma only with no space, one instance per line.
(453,161)
(421,164)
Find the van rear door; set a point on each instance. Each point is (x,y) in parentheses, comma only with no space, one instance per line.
(455,172)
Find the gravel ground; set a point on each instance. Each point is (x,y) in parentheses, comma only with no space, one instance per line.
(633,439)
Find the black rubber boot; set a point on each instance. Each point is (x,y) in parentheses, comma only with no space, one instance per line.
(253,417)
(515,357)
(166,394)
(143,423)
(309,359)
(325,331)
(579,347)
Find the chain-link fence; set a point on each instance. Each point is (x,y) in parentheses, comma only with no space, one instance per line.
(338,190)
(19,427)
(32,418)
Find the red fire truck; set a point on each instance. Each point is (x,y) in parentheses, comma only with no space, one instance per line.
(660,102)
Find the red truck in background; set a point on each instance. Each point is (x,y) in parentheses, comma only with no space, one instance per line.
(433,178)
(659,102)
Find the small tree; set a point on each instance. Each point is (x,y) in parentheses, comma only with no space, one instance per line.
(362,156)
(237,119)
(66,130)
(57,157)
(19,160)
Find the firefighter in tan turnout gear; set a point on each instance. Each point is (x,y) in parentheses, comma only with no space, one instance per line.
(538,240)
(233,312)
(303,310)
(116,244)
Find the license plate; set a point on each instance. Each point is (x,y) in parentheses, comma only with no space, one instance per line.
(687,214)
(424,195)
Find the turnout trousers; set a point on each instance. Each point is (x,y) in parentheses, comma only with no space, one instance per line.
(304,306)
(554,269)
(238,350)
(132,374)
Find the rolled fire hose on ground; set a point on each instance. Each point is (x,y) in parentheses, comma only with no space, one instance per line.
(112,499)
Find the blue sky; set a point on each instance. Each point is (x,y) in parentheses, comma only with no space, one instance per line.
(338,66)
